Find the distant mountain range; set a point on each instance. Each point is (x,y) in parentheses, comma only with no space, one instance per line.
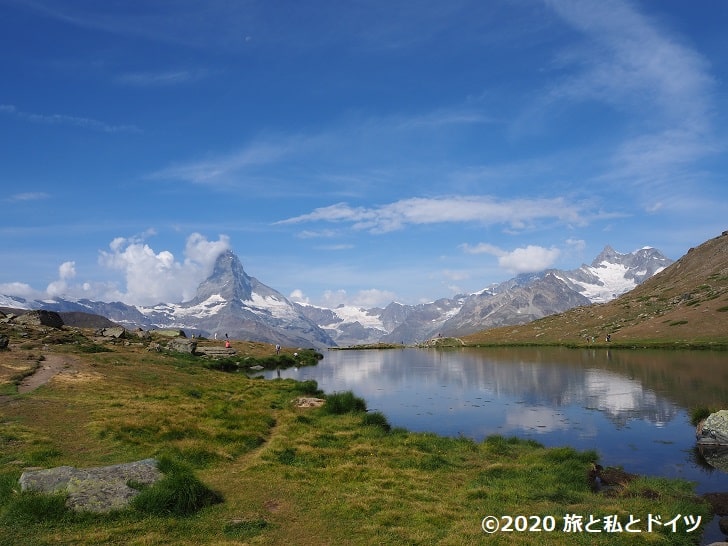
(516,301)
(231,302)
(684,306)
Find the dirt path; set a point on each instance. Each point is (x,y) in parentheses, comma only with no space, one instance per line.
(49,368)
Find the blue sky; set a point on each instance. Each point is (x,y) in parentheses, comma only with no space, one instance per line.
(352,152)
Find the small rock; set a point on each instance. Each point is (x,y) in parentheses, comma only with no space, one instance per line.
(723,525)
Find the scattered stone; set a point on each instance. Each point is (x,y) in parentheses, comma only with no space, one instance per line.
(154,346)
(100,489)
(723,525)
(309,402)
(210,350)
(182,345)
(719,502)
(40,317)
(117,332)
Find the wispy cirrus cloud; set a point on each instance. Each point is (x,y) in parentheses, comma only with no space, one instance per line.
(161,78)
(640,68)
(224,168)
(515,213)
(27,196)
(62,119)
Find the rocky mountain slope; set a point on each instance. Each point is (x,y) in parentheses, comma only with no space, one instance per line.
(685,304)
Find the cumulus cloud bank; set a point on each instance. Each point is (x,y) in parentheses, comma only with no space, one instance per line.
(154,277)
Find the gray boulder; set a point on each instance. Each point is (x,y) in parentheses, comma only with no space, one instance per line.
(4,342)
(100,489)
(182,345)
(713,431)
(117,332)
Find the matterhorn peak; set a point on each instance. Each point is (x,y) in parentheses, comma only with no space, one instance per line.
(228,280)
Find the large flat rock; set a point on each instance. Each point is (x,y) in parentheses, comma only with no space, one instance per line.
(99,489)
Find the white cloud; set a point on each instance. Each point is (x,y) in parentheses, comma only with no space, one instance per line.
(517,213)
(298,296)
(158,79)
(60,287)
(482,248)
(27,196)
(19,289)
(528,259)
(640,68)
(152,277)
(227,168)
(63,119)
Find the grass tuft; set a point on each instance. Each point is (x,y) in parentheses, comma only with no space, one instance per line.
(340,403)
(179,493)
(32,507)
(245,529)
(376,419)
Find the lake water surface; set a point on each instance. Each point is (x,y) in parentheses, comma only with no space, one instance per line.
(631,406)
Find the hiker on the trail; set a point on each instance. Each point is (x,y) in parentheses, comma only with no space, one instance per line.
(278,349)
(227,343)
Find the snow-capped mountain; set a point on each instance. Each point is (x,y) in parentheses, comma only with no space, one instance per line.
(612,274)
(227,302)
(516,301)
(231,302)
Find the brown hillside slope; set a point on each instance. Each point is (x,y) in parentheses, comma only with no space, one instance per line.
(684,305)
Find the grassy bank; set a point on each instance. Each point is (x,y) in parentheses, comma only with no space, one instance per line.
(331,475)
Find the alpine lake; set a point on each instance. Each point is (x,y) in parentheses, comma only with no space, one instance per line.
(631,406)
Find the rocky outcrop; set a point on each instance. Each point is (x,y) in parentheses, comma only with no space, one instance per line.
(100,489)
(40,317)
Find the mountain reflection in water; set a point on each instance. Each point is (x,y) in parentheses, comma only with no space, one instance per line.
(631,406)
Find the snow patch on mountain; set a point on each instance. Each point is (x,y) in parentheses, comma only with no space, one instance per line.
(278,307)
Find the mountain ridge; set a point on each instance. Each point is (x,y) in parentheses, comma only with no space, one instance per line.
(683,305)
(518,300)
(231,302)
